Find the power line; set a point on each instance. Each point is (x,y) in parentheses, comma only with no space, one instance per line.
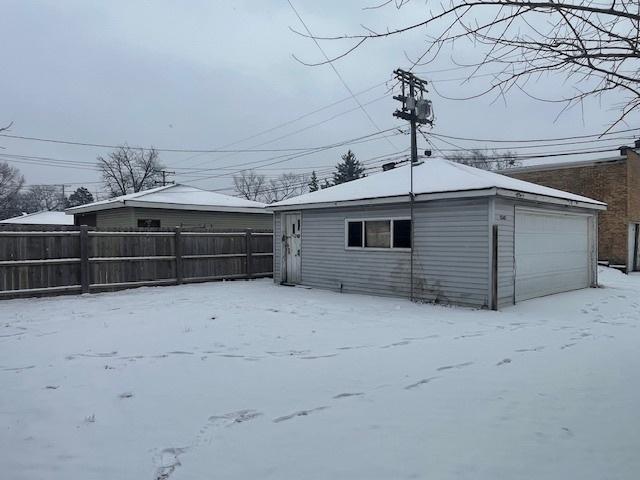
(280,159)
(333,67)
(301,117)
(295,132)
(166,150)
(575,137)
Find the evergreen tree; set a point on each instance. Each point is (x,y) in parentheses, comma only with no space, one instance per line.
(349,169)
(326,184)
(313,183)
(81,196)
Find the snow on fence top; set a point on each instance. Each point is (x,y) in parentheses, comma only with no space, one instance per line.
(432,176)
(179,196)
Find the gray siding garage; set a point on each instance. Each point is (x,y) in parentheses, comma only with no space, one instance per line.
(174,206)
(544,245)
(136,217)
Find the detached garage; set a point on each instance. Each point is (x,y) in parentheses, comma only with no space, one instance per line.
(552,253)
(469,237)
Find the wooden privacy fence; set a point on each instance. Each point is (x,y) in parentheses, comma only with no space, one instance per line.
(37,262)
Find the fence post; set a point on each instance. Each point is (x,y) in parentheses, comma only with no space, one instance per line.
(84,258)
(249,251)
(494,268)
(178,252)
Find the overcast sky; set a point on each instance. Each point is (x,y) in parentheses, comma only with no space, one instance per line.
(204,74)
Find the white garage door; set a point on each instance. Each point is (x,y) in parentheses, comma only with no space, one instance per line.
(551,253)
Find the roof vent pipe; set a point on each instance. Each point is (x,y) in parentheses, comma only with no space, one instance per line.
(623,150)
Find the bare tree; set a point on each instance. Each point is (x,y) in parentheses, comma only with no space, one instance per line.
(593,44)
(11,181)
(254,186)
(129,170)
(249,184)
(480,159)
(43,197)
(287,185)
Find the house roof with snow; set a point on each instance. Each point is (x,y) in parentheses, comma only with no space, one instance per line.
(41,218)
(435,178)
(181,197)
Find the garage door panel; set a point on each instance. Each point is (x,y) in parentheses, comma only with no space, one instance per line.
(552,253)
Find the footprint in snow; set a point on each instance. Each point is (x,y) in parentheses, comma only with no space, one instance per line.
(397,344)
(532,349)
(313,357)
(347,395)
(449,367)
(424,381)
(239,416)
(18,369)
(169,460)
(226,420)
(126,395)
(300,413)
(469,335)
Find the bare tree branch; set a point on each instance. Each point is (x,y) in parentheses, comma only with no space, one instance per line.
(596,47)
(129,170)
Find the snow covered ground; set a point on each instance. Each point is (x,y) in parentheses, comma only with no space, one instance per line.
(247,380)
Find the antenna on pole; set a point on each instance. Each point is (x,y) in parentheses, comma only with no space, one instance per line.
(416,110)
(164,181)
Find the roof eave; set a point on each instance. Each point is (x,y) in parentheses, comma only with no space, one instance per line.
(93,208)
(394,199)
(561,165)
(535,197)
(205,208)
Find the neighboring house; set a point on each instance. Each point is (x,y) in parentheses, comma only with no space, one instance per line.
(615,181)
(356,237)
(40,218)
(172,206)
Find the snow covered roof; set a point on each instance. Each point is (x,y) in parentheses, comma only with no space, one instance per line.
(41,218)
(434,176)
(183,197)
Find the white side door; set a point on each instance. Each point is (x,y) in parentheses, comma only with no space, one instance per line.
(551,253)
(292,225)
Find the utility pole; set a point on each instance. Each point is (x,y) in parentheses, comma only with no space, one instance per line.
(416,110)
(164,177)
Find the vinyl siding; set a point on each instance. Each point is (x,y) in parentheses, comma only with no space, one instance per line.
(505,219)
(451,254)
(327,264)
(277,247)
(114,218)
(128,217)
(452,251)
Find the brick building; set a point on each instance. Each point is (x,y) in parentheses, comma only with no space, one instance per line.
(615,181)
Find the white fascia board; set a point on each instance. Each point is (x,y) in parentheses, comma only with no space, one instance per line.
(481,192)
(205,208)
(344,203)
(94,208)
(423,197)
(547,199)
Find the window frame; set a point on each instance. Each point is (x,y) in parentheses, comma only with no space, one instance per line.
(138,220)
(375,219)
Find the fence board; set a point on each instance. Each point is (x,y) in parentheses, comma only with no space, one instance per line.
(54,261)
